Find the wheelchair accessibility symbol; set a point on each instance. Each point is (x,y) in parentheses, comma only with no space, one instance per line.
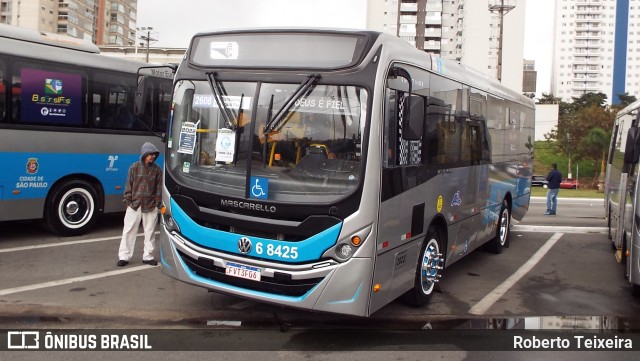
(259,187)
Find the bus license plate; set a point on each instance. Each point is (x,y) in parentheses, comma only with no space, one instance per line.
(242,271)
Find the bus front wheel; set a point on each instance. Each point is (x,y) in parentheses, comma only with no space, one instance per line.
(72,208)
(428,271)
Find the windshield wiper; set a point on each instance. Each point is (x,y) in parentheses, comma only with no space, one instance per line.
(278,120)
(218,93)
(266,137)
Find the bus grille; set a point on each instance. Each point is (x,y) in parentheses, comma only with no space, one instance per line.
(251,232)
(204,267)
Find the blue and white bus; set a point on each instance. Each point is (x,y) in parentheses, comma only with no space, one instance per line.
(336,170)
(68,129)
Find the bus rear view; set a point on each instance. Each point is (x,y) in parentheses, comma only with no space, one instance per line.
(283,184)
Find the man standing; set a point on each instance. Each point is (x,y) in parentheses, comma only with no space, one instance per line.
(553,186)
(143,197)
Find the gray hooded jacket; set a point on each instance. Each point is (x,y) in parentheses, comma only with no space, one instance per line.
(144,182)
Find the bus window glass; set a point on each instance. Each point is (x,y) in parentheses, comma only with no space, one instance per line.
(16,102)
(497,126)
(311,156)
(115,94)
(446,123)
(96,108)
(163,104)
(448,92)
(3,92)
(478,103)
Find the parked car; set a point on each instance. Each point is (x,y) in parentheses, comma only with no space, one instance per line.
(538,181)
(570,183)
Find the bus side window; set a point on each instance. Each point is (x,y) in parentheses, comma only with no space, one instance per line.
(3,94)
(113,102)
(15,98)
(96,111)
(163,102)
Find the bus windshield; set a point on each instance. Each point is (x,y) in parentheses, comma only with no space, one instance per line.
(306,152)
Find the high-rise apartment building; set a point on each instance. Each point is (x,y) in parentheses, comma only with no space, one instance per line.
(104,22)
(464,30)
(596,48)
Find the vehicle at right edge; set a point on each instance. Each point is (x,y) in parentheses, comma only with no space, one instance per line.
(621,193)
(336,171)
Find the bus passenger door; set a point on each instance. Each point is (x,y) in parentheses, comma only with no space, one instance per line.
(404,192)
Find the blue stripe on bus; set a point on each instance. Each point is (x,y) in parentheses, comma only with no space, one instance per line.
(33,174)
(308,250)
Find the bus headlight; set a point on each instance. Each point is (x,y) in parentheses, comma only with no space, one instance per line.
(169,223)
(344,251)
(347,246)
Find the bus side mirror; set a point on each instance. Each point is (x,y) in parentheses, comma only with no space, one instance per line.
(412,126)
(142,92)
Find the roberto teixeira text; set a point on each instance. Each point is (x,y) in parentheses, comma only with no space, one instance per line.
(573,342)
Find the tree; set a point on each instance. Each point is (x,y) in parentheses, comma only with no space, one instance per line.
(571,136)
(563,107)
(548,99)
(565,137)
(599,138)
(625,99)
(588,100)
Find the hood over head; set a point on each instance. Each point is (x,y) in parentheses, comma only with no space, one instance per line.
(148,148)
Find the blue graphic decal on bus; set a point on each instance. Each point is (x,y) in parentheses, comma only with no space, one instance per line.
(32,175)
(310,249)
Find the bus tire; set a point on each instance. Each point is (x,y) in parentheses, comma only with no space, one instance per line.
(428,271)
(501,239)
(71,208)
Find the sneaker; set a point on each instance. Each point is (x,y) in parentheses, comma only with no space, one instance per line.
(547,213)
(150,262)
(122,263)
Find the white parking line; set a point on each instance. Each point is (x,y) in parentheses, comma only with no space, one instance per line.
(37,286)
(493,296)
(69,243)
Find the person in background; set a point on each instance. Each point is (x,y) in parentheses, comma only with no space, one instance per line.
(143,197)
(553,186)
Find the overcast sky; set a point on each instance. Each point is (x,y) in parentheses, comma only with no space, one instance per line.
(175,22)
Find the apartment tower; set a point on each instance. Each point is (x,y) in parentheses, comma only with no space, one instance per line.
(464,30)
(596,48)
(103,22)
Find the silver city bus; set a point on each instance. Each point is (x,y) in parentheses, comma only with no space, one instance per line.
(336,170)
(621,192)
(68,129)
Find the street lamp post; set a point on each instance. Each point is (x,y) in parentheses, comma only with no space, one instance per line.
(501,7)
(147,38)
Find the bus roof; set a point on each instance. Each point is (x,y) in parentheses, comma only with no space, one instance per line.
(40,37)
(629,108)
